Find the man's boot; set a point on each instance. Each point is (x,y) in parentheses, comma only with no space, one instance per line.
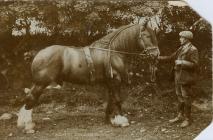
(187,119)
(185,123)
(180,113)
(177,119)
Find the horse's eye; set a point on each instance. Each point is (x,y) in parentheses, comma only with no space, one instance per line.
(148,36)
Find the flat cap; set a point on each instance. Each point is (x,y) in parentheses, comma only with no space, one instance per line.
(186,34)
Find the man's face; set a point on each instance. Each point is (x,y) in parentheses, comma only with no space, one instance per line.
(183,40)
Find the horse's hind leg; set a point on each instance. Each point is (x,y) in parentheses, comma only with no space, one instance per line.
(33,95)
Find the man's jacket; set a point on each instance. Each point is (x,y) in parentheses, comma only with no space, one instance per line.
(186,72)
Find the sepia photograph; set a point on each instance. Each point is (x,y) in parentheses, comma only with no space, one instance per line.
(104,70)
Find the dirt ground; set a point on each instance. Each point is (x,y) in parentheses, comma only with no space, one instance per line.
(78,114)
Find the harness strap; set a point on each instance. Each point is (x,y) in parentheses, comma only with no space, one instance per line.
(90,63)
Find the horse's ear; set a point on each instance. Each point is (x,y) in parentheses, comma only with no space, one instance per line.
(146,21)
(144,24)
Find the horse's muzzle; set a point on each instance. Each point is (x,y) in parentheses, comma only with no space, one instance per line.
(154,53)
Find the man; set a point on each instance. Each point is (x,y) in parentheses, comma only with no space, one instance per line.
(186,61)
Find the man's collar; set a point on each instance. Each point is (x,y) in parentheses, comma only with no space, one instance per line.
(186,45)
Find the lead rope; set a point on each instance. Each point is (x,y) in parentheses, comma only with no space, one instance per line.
(153,69)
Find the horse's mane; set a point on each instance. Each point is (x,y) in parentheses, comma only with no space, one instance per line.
(109,38)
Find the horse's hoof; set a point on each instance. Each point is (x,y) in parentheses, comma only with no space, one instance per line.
(119,121)
(31,131)
(30,126)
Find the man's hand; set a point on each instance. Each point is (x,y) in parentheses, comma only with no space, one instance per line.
(178,62)
(160,57)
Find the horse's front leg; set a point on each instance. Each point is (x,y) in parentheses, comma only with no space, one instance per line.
(114,113)
(25,114)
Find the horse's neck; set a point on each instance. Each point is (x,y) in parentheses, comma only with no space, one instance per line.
(126,41)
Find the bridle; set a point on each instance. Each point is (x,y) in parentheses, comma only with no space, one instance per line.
(146,50)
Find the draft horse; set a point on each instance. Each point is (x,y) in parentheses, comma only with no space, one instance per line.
(107,64)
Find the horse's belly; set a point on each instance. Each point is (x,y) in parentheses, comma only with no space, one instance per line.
(76,75)
(83,75)
(75,67)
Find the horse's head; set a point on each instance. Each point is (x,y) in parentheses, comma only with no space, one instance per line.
(147,41)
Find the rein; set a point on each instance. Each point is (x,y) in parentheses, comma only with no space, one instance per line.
(144,53)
